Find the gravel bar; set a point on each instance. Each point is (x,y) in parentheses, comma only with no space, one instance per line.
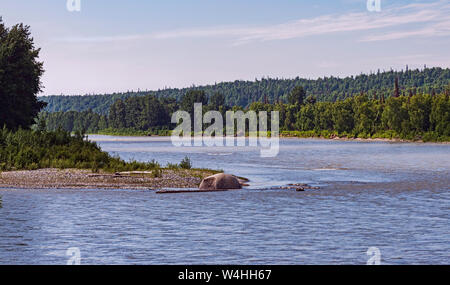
(86,179)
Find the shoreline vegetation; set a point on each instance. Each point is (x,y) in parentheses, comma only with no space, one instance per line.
(327,135)
(41,159)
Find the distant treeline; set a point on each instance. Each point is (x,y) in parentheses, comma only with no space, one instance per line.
(243,93)
(412,116)
(141,114)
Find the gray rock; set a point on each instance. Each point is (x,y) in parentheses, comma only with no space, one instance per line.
(220,181)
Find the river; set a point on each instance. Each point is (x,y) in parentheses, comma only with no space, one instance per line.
(392,196)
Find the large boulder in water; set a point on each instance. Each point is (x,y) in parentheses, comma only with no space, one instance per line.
(220,181)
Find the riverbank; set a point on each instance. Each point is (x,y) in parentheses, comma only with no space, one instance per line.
(133,133)
(387,136)
(52,178)
(307,135)
(374,139)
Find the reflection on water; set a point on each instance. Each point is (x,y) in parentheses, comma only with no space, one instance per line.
(391,196)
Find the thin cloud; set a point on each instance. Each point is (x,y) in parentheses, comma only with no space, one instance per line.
(104,39)
(432,30)
(429,19)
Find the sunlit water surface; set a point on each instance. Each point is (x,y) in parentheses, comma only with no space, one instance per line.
(394,196)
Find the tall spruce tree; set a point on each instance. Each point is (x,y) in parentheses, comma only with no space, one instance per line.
(396,88)
(297,96)
(20,77)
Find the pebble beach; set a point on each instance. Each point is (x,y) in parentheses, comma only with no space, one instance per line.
(86,179)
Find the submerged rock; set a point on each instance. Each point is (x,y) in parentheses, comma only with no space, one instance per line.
(220,181)
(299,187)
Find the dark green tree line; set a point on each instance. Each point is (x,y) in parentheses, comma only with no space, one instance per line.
(243,93)
(409,117)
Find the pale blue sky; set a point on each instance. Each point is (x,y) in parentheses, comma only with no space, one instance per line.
(128,45)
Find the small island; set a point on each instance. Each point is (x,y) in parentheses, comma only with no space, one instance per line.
(38,159)
(53,178)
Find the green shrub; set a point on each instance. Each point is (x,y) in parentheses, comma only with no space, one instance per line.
(186,163)
(28,149)
(430,137)
(173,165)
(157,173)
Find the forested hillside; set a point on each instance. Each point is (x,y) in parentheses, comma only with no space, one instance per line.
(243,93)
(414,117)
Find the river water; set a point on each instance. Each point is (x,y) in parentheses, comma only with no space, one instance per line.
(392,196)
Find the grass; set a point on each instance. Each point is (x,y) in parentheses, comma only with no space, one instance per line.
(389,135)
(133,132)
(30,150)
